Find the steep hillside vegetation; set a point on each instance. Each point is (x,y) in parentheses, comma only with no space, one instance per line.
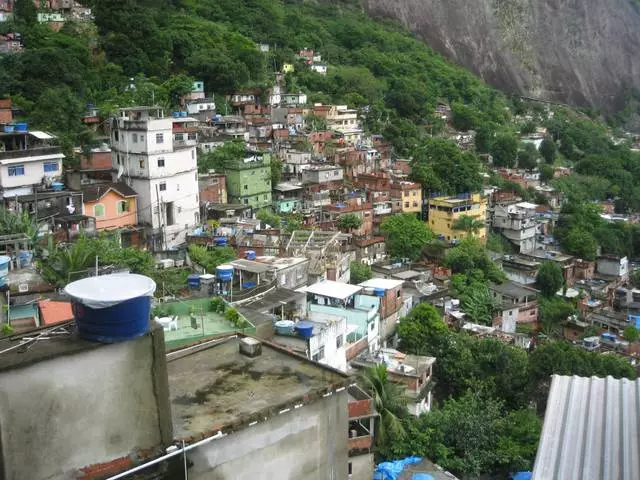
(580,52)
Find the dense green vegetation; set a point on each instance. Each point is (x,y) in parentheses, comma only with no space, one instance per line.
(491,391)
(143,51)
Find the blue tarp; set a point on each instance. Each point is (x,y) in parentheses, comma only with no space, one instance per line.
(522,476)
(421,476)
(391,470)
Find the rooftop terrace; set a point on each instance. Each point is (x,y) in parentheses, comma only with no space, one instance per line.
(207,324)
(214,387)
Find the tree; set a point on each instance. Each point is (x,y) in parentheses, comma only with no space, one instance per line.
(496,440)
(528,157)
(26,11)
(176,87)
(359,272)
(631,334)
(580,242)
(504,149)
(546,173)
(268,218)
(389,401)
(471,255)
(468,224)
(440,166)
(348,222)
(478,304)
(550,278)
(422,331)
(562,358)
(276,166)
(464,117)
(405,235)
(210,259)
(222,157)
(548,150)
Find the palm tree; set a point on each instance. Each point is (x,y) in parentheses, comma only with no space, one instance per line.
(389,400)
(468,224)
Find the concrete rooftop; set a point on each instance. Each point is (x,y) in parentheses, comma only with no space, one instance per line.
(214,387)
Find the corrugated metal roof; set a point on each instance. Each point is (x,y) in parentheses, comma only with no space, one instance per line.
(591,430)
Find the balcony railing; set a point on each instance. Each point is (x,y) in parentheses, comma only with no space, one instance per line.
(30,152)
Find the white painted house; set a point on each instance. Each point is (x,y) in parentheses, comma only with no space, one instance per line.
(27,159)
(156,156)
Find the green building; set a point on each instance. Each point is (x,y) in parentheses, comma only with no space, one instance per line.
(249,180)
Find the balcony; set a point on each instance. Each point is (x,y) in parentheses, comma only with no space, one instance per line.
(30,152)
(185,143)
(360,403)
(382,210)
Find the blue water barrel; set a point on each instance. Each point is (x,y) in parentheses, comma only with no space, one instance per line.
(224,273)
(111,308)
(284,327)
(304,329)
(4,269)
(25,257)
(57,186)
(22,127)
(378,292)
(221,242)
(9,128)
(249,284)
(193,281)
(183,114)
(175,114)
(250,255)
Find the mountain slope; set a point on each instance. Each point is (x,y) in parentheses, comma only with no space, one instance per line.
(581,52)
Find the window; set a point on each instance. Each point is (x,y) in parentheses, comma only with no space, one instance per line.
(163,187)
(350,468)
(123,206)
(161,162)
(406,204)
(141,163)
(371,327)
(178,187)
(193,154)
(178,137)
(118,160)
(50,167)
(170,213)
(398,293)
(265,197)
(115,135)
(135,138)
(321,353)
(339,341)
(159,138)
(98,210)
(246,187)
(16,170)
(246,201)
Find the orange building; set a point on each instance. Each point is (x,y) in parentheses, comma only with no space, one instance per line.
(114,205)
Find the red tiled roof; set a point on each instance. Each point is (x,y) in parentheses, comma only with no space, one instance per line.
(106,469)
(52,312)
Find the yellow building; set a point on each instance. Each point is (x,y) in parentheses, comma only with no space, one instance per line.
(287,68)
(444,211)
(410,194)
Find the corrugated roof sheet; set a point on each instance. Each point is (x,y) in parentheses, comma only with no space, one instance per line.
(591,430)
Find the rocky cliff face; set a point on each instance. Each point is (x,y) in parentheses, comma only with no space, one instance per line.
(583,52)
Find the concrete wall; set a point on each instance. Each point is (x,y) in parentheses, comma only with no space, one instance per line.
(303,443)
(362,467)
(72,411)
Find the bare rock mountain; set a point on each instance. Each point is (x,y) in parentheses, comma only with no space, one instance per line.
(582,52)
